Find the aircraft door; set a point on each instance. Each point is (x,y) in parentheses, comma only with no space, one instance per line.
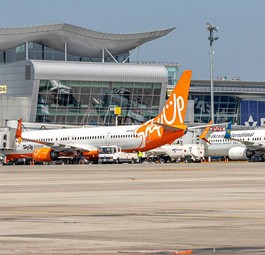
(68,140)
(108,135)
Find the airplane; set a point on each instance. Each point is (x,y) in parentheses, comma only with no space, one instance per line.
(165,128)
(237,145)
(188,152)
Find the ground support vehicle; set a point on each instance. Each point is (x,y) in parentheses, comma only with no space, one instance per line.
(188,153)
(113,154)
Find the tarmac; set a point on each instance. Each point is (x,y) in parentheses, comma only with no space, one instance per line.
(207,208)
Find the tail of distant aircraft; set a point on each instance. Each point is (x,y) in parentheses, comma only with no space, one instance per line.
(228,131)
(169,123)
(19,130)
(204,134)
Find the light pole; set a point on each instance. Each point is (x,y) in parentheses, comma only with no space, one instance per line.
(212,38)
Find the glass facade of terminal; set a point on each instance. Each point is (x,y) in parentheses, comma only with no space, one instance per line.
(39,51)
(97,103)
(225,108)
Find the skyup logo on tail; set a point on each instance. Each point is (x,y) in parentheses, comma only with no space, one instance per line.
(171,118)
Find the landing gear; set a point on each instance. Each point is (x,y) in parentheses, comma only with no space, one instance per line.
(187,159)
(81,161)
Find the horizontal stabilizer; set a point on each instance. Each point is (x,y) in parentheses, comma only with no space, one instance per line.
(207,125)
(172,127)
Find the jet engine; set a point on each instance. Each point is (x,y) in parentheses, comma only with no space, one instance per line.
(240,153)
(45,154)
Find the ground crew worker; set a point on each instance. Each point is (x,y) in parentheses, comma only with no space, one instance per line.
(140,157)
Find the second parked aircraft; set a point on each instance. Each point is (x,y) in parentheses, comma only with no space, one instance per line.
(238,144)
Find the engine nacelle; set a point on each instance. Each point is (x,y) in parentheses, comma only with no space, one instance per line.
(240,153)
(45,155)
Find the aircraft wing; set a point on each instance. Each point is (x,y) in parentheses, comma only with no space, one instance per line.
(65,147)
(207,125)
(250,145)
(83,147)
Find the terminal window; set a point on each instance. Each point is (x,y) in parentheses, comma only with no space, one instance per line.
(88,102)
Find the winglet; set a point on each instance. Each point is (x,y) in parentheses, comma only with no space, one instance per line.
(19,130)
(205,132)
(228,130)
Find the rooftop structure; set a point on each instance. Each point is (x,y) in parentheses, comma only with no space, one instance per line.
(77,40)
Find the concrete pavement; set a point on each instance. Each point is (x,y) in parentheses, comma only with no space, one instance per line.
(137,208)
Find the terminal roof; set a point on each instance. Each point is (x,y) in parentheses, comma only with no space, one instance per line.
(80,41)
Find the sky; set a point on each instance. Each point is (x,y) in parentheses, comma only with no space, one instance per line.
(239,51)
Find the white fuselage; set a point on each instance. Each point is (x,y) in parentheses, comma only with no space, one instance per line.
(123,136)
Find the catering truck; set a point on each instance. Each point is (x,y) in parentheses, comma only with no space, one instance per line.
(113,154)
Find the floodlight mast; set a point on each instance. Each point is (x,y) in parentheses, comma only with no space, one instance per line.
(212,38)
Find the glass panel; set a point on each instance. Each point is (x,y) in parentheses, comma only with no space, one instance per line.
(138,89)
(96,88)
(76,102)
(75,84)
(157,89)
(2,57)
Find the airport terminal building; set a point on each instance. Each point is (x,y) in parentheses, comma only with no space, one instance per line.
(242,102)
(70,75)
(66,74)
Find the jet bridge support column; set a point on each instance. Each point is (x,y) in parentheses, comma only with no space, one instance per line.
(65,51)
(103,55)
(27,49)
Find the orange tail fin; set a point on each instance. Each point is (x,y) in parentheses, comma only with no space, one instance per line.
(174,111)
(170,119)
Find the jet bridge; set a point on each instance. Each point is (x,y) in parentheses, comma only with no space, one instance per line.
(8,136)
